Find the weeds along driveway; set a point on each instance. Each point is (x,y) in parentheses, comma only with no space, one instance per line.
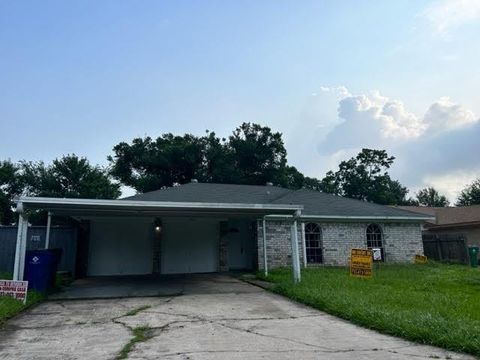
(205,322)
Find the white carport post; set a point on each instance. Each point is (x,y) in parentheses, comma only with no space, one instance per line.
(47,236)
(303,245)
(21,246)
(265,262)
(295,254)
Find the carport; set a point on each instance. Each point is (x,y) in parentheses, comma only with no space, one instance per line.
(158,237)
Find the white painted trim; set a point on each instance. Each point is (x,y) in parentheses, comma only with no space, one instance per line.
(115,204)
(356,217)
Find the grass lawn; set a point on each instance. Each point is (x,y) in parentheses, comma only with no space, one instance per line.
(10,307)
(435,304)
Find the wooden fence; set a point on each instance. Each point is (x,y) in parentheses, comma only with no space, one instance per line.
(445,247)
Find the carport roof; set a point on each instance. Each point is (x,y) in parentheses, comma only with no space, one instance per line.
(92,207)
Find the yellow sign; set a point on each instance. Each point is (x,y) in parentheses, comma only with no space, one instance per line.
(420,259)
(361,262)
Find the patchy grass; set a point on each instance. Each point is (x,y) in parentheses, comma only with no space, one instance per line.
(10,307)
(6,275)
(135,311)
(436,304)
(140,334)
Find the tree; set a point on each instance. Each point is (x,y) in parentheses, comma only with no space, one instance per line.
(148,164)
(69,176)
(10,186)
(431,197)
(365,177)
(470,195)
(253,154)
(258,154)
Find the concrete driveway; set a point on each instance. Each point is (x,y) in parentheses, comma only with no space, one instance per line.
(215,317)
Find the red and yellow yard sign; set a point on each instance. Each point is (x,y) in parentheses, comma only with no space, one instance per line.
(361,263)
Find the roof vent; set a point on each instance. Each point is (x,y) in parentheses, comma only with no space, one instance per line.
(269,184)
(194,181)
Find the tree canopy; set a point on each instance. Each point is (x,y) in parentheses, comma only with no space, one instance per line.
(431,197)
(365,177)
(10,186)
(252,154)
(470,195)
(69,176)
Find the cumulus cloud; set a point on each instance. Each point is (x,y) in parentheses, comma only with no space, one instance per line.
(431,149)
(446,15)
(445,115)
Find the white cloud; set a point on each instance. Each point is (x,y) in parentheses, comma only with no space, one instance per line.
(452,183)
(446,15)
(438,148)
(445,115)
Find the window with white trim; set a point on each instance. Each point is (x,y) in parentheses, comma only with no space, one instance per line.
(313,243)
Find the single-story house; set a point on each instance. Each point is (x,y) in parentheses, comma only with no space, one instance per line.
(205,227)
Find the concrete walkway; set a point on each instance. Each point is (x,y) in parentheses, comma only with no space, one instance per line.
(216,317)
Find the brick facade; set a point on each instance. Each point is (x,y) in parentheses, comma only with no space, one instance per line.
(401,241)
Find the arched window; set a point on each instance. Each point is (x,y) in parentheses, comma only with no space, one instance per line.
(375,239)
(313,243)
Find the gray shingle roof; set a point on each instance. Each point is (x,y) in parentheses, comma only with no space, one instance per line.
(215,193)
(315,203)
(324,204)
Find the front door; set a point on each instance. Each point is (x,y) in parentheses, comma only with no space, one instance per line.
(240,244)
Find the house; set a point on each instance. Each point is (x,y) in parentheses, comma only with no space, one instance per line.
(205,227)
(462,221)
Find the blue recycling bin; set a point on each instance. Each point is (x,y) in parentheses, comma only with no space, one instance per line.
(41,268)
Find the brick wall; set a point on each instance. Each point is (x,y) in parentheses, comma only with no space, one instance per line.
(401,242)
(279,246)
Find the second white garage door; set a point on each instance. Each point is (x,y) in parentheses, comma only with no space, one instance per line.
(189,246)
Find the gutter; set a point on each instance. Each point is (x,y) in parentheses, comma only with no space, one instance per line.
(129,204)
(356,217)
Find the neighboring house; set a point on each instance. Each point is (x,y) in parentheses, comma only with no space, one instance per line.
(203,227)
(462,220)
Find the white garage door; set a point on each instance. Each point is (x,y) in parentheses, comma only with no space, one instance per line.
(120,246)
(189,246)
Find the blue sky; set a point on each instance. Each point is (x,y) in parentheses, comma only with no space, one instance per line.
(332,76)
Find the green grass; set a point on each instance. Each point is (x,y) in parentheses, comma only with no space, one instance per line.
(135,311)
(140,334)
(10,307)
(435,304)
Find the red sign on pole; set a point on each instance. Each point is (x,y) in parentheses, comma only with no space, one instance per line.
(15,289)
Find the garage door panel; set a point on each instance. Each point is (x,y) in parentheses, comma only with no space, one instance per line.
(189,246)
(120,247)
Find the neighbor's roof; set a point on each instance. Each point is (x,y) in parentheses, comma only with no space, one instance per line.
(316,204)
(449,216)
